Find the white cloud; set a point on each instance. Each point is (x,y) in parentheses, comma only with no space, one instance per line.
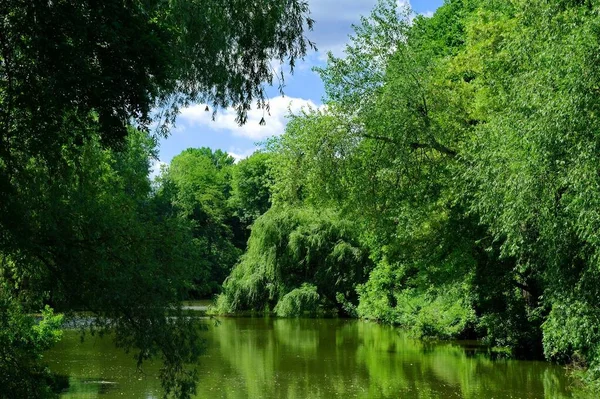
(240,154)
(196,115)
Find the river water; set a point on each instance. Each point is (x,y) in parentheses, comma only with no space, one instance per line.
(312,358)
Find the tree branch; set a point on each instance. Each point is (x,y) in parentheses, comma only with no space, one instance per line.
(415,146)
(380,138)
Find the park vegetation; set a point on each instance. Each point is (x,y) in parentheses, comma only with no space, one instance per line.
(449,185)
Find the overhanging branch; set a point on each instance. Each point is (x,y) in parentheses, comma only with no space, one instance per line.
(434,145)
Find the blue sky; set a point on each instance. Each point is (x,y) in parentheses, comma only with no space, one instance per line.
(334,19)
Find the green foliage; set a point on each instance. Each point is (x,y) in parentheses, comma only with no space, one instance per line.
(196,187)
(202,183)
(299,302)
(23,340)
(442,312)
(425,282)
(290,247)
(531,174)
(251,187)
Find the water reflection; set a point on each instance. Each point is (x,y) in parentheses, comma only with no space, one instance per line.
(280,358)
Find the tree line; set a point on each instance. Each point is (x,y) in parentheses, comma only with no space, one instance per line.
(449,185)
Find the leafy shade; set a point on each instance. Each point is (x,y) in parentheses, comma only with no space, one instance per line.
(81,228)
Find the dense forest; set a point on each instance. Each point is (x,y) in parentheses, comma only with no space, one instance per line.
(449,185)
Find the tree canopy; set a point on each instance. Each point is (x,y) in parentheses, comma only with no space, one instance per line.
(463,147)
(82,85)
(449,185)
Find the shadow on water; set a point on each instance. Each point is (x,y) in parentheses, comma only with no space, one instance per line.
(314,358)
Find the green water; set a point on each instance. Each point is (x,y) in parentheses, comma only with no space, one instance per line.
(283,358)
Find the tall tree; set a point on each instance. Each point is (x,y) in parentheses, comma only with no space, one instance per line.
(77,217)
(251,187)
(197,185)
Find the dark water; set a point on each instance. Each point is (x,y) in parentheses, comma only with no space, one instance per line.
(288,358)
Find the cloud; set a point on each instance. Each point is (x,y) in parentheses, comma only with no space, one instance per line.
(333,20)
(276,119)
(240,154)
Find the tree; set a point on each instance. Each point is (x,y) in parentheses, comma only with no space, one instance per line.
(533,164)
(197,186)
(251,182)
(78,221)
(298,259)
(390,151)
(96,242)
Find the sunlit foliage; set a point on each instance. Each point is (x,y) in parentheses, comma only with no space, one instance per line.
(464,148)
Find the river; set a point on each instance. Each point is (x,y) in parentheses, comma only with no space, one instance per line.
(313,358)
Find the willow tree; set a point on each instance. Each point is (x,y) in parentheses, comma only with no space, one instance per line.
(79,228)
(385,152)
(298,260)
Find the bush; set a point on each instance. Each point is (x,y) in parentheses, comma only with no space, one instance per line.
(444,312)
(22,343)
